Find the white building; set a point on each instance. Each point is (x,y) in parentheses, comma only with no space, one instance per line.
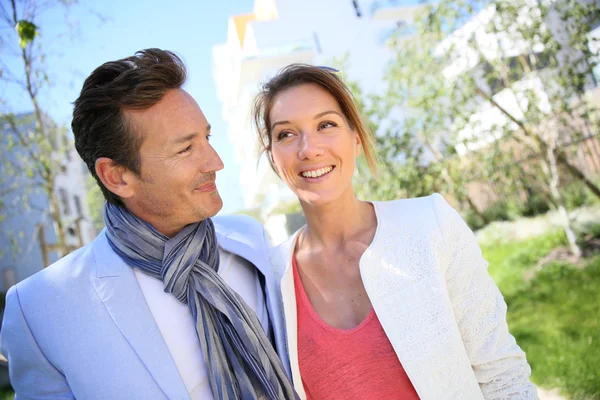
(280,32)
(27,226)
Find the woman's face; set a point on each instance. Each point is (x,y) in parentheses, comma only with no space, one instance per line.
(314,149)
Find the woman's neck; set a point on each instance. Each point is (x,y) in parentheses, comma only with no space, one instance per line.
(331,225)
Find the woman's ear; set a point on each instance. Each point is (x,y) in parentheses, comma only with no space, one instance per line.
(358,144)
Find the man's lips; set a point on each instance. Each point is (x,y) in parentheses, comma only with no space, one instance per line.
(207,187)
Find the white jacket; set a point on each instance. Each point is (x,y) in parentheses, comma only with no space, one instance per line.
(443,314)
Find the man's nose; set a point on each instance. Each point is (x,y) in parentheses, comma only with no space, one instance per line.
(211,160)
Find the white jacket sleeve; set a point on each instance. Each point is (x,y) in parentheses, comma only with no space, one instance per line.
(499,363)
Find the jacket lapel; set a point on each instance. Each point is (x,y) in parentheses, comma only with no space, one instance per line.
(119,290)
(401,275)
(283,256)
(232,242)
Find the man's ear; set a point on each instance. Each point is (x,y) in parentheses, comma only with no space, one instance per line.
(115,178)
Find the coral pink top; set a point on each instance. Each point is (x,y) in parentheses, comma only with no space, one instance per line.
(359,363)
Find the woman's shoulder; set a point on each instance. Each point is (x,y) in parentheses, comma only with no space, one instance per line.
(415,207)
(424,214)
(418,213)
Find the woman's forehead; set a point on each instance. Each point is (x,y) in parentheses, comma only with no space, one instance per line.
(307,99)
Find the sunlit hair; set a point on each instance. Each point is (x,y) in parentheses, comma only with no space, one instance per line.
(299,74)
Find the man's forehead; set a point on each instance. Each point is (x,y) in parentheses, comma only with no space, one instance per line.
(172,101)
(176,107)
(172,120)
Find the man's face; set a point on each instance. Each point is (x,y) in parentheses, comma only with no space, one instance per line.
(176,186)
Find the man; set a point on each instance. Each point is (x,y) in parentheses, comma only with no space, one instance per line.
(141,313)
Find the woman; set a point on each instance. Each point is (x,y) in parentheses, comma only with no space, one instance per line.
(382,300)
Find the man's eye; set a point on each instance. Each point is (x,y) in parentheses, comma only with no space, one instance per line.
(186,149)
(208,137)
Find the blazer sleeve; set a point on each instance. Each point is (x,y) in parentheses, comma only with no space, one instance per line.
(499,363)
(266,243)
(31,374)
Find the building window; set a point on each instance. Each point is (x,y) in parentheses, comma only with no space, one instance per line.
(64,199)
(517,66)
(10,278)
(594,46)
(78,208)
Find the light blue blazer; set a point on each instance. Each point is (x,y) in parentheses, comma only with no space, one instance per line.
(81,328)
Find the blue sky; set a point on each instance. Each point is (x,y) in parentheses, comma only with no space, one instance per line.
(78,41)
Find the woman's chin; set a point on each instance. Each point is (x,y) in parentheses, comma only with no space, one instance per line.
(316,199)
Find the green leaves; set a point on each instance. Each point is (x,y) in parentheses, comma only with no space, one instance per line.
(27,31)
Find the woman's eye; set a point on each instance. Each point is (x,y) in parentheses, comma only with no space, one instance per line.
(327,124)
(283,135)
(186,149)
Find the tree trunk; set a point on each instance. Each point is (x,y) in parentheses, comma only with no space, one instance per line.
(446,177)
(579,174)
(554,182)
(61,239)
(481,215)
(561,157)
(44,169)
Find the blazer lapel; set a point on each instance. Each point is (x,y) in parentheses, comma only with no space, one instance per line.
(119,290)
(235,243)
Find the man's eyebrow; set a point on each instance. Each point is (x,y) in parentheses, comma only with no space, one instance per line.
(187,138)
(183,139)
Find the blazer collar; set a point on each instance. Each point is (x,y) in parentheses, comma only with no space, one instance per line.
(234,242)
(116,285)
(228,240)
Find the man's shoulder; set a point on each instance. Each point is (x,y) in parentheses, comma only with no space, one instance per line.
(239,223)
(60,276)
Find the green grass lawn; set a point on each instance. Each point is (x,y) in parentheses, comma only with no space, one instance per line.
(555,316)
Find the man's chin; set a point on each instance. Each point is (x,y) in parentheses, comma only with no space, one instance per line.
(215,207)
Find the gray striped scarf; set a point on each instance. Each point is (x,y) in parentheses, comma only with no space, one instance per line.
(241,362)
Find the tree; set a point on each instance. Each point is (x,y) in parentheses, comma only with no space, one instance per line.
(96,202)
(495,82)
(36,146)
